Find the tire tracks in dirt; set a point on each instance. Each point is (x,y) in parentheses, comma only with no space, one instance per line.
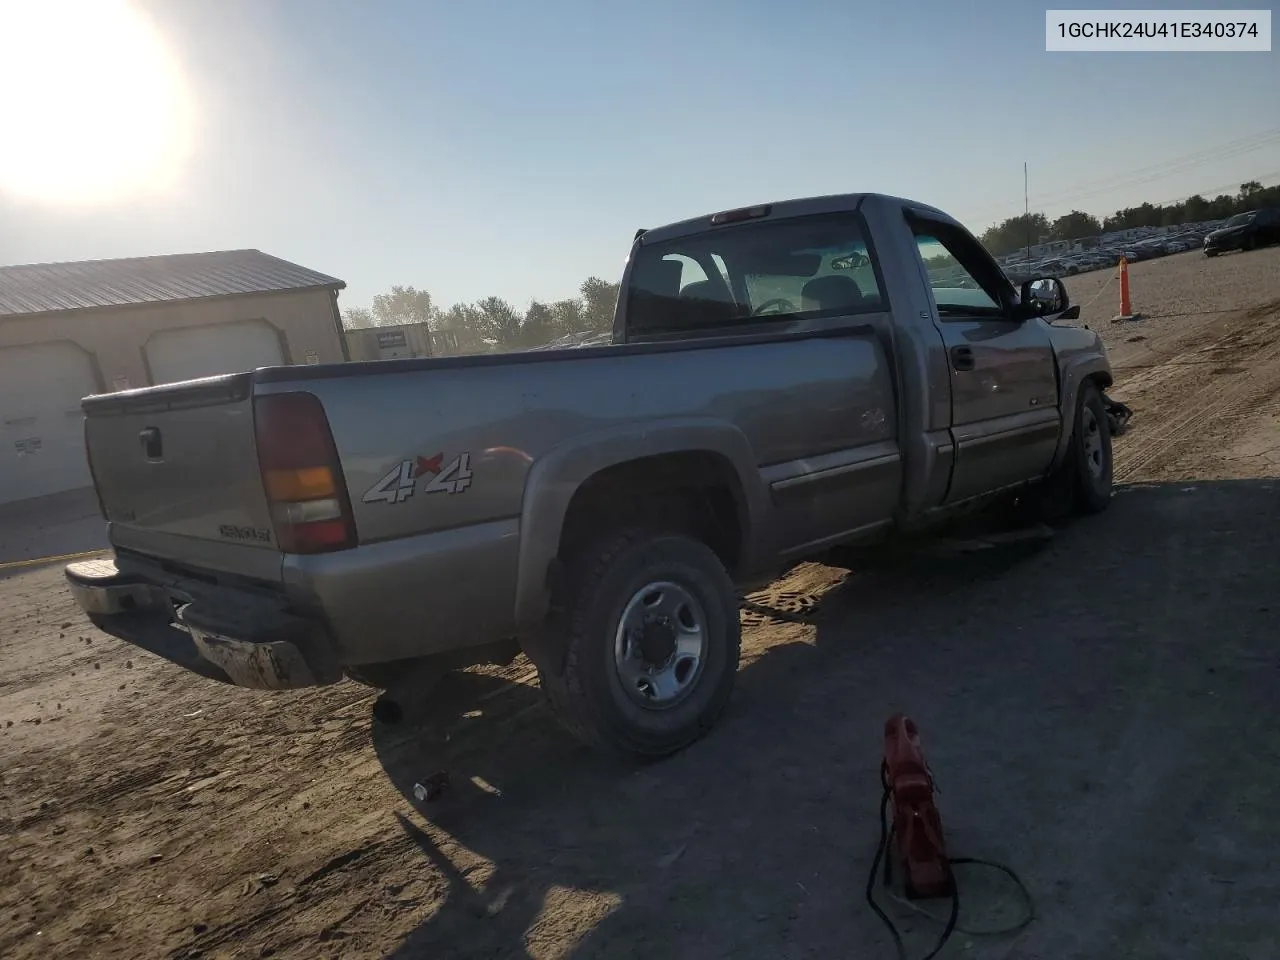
(1218,377)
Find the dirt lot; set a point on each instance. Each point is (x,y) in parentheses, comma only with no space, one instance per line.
(1100,713)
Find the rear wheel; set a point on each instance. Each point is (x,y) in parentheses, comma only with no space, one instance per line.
(649,623)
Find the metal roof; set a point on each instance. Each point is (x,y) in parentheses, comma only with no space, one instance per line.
(48,287)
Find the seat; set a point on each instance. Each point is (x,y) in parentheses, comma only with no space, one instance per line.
(655,289)
(704,303)
(832,293)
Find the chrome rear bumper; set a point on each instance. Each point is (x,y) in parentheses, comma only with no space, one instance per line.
(100,588)
(249,641)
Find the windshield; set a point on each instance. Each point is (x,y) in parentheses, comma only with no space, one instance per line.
(1240,220)
(792,268)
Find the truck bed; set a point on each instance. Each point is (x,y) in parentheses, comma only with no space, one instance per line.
(793,405)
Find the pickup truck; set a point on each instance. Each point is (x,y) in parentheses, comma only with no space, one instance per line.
(785,381)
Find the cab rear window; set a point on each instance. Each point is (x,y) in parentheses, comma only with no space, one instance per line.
(752,273)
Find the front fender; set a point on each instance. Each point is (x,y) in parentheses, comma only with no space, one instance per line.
(557,475)
(1081,356)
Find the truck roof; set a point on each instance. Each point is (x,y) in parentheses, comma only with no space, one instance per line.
(798,207)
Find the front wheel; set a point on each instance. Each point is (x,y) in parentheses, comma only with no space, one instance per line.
(1091,450)
(1083,481)
(652,637)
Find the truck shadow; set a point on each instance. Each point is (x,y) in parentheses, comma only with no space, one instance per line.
(754,840)
(158,636)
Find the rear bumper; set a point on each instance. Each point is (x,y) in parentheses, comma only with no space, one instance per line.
(237,636)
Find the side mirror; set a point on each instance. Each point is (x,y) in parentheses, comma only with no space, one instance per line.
(1044,296)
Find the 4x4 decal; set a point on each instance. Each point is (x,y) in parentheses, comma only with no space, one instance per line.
(400,483)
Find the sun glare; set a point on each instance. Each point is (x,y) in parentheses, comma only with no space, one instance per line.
(94,107)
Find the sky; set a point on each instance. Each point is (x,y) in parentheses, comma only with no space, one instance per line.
(511,148)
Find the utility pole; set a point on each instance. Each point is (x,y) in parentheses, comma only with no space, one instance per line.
(1026,210)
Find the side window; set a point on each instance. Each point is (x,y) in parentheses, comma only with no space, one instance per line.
(961,287)
(757,272)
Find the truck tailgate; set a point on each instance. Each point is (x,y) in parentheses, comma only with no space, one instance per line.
(176,467)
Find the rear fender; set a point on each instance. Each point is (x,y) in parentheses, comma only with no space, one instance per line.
(556,477)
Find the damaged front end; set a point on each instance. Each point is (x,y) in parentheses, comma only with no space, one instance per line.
(1118,415)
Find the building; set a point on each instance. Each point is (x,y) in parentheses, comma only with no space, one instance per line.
(409,340)
(68,330)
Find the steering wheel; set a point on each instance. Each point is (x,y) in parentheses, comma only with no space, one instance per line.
(782,305)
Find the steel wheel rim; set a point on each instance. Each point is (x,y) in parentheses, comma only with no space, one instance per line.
(660,645)
(1093,452)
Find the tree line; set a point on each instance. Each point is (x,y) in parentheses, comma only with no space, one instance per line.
(494,324)
(1013,234)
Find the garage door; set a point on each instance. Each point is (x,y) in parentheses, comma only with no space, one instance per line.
(41,426)
(186,353)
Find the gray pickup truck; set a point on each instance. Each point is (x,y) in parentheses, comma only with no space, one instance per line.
(785,381)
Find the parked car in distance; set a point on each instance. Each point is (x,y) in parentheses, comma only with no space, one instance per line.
(1146,250)
(1099,260)
(1244,231)
(1056,268)
(1020,272)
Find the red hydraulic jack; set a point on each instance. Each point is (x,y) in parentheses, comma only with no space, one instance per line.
(916,842)
(917,826)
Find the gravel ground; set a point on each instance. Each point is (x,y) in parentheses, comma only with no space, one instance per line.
(1100,712)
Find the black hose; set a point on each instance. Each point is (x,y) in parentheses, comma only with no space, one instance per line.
(951,925)
(881,848)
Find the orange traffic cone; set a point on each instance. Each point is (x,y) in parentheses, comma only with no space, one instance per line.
(1126,308)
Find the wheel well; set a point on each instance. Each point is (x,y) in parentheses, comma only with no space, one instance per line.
(694,491)
(1102,378)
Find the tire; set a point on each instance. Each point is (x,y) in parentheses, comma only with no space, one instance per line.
(1091,454)
(600,693)
(1083,481)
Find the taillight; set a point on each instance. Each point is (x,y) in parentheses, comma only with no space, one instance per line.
(301,474)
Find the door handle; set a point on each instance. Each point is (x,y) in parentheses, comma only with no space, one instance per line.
(152,445)
(962,358)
